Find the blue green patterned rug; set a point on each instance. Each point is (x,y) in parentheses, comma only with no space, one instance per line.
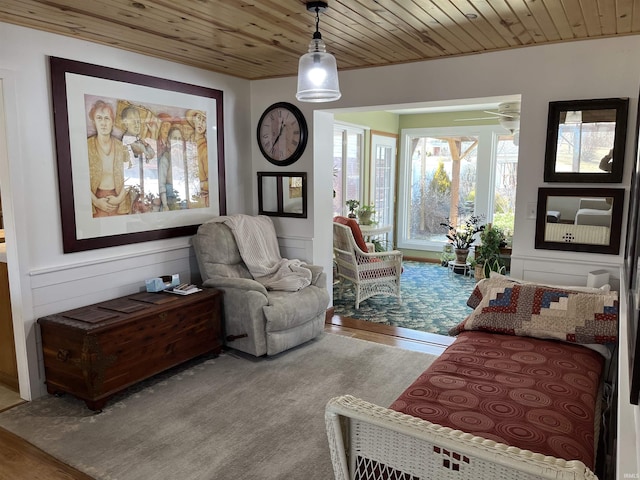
(433,300)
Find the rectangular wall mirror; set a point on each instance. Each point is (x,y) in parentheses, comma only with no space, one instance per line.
(282,194)
(580,219)
(586,140)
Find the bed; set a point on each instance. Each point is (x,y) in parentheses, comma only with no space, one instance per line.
(516,396)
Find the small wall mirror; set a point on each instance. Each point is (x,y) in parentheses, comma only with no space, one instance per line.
(586,140)
(580,219)
(282,194)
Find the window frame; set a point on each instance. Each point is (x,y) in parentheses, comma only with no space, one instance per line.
(347,129)
(485,180)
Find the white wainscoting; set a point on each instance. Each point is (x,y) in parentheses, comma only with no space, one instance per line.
(58,289)
(562,272)
(300,248)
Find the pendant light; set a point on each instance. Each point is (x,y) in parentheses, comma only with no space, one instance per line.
(317,70)
(573,117)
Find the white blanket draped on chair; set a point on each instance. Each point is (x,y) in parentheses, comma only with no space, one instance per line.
(258,246)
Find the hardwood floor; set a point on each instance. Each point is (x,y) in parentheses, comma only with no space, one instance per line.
(385,334)
(19,460)
(8,398)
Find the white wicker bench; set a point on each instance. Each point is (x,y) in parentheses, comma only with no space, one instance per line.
(398,446)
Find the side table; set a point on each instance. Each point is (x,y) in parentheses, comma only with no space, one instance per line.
(465,267)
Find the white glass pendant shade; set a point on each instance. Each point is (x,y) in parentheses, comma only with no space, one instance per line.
(511,124)
(318,75)
(573,117)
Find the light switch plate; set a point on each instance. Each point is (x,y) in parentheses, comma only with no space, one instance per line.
(531,210)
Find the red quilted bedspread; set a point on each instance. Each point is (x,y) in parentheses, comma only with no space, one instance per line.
(538,395)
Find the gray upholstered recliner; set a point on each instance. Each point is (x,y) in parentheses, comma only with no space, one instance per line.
(258,321)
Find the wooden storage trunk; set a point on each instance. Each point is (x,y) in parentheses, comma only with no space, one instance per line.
(96,351)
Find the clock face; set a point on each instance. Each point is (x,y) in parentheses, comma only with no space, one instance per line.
(282,133)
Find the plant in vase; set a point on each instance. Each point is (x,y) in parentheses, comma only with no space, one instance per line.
(488,252)
(352,205)
(364,214)
(462,236)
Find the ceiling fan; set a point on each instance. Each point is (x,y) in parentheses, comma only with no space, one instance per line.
(508,115)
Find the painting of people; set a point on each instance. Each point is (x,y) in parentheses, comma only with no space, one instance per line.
(139,158)
(145,157)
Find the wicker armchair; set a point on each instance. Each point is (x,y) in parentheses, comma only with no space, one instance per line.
(370,273)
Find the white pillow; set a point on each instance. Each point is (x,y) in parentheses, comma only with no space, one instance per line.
(604,288)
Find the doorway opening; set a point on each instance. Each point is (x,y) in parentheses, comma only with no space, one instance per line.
(475,156)
(9,379)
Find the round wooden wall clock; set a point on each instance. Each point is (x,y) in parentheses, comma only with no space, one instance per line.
(282,133)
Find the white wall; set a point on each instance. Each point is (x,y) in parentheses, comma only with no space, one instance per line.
(43,280)
(575,70)
(540,74)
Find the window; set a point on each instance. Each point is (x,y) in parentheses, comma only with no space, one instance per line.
(383,179)
(582,142)
(504,205)
(347,166)
(454,172)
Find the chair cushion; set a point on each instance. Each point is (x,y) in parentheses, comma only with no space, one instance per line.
(290,309)
(355,230)
(217,252)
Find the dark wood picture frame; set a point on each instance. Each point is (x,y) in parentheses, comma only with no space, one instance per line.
(274,200)
(632,274)
(149,226)
(561,108)
(613,248)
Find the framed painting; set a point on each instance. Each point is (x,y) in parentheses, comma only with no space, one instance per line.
(139,158)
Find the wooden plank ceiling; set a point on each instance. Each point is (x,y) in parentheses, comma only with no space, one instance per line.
(255,39)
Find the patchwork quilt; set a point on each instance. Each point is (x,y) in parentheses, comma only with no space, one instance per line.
(544,312)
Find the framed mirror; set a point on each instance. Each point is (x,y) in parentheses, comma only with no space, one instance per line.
(282,194)
(579,219)
(586,140)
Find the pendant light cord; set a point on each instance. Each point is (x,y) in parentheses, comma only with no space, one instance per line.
(317,34)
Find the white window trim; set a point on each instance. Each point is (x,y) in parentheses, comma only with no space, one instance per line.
(485,183)
(350,128)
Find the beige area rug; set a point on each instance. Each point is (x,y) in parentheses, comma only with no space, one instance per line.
(230,417)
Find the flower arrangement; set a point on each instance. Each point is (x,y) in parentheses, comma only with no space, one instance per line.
(462,236)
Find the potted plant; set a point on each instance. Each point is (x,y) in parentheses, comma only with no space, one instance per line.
(447,255)
(488,252)
(463,235)
(352,205)
(364,214)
